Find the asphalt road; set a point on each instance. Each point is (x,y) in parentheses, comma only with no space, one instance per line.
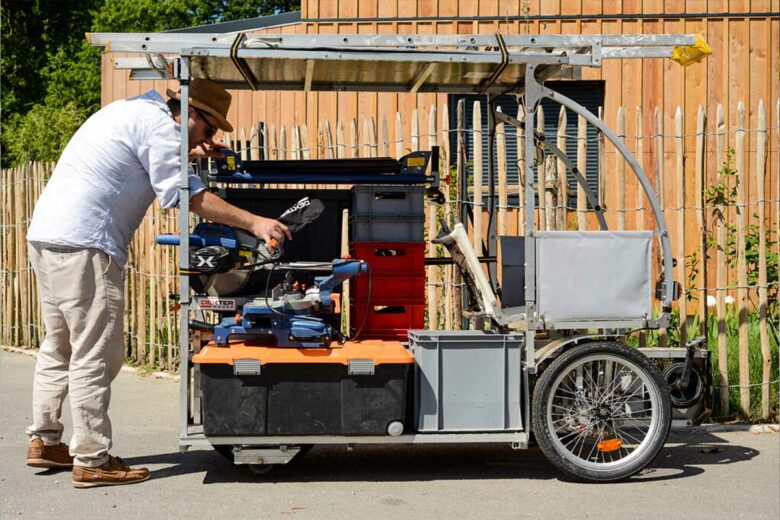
(697,475)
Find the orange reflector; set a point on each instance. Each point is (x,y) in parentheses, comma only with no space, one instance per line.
(609,445)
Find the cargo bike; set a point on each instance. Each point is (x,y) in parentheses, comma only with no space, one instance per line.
(276,374)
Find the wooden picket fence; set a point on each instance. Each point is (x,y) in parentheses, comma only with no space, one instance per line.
(682,166)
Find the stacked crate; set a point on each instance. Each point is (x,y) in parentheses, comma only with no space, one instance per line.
(387,230)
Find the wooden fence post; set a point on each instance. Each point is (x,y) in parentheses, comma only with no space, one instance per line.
(763,299)
(503,199)
(640,156)
(582,163)
(355,137)
(720,226)
(444,170)
(385,138)
(462,172)
(399,136)
(432,283)
(520,171)
(341,146)
(621,171)
(701,118)
(415,131)
(329,151)
(477,147)
(563,176)
(742,292)
(658,154)
(541,174)
(681,276)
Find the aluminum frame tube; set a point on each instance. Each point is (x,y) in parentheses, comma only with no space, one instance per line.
(184,251)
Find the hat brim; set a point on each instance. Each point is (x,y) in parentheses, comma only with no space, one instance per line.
(222,123)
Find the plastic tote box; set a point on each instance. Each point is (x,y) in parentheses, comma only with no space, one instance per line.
(389,201)
(466,380)
(355,389)
(593,275)
(386,228)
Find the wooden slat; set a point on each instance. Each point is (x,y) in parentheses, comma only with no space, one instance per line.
(742,294)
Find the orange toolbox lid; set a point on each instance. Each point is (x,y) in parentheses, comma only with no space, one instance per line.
(380,351)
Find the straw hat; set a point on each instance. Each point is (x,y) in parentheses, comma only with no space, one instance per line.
(209,97)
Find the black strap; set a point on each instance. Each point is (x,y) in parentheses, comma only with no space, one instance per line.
(240,63)
(501,67)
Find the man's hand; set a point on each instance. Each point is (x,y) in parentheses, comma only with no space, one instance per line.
(210,148)
(211,207)
(270,230)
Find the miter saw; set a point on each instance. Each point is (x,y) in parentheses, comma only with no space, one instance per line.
(297,314)
(224,259)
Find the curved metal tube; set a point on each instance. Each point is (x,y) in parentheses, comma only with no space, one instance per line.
(666,247)
(561,155)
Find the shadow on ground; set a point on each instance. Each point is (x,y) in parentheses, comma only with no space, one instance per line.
(685,455)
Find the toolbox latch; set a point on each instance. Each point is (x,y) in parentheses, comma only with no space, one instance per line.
(246,367)
(360,367)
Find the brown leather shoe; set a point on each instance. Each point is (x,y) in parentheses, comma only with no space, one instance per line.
(113,473)
(41,456)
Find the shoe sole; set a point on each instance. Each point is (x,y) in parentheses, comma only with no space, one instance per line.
(48,464)
(82,485)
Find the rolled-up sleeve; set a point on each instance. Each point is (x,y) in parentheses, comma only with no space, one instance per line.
(159,155)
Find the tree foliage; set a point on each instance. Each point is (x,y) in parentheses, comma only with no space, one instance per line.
(48,70)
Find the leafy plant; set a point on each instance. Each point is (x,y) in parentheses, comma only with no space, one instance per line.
(43,132)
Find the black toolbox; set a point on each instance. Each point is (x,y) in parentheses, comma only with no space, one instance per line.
(359,388)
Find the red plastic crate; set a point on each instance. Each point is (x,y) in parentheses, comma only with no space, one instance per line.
(391,257)
(389,287)
(389,316)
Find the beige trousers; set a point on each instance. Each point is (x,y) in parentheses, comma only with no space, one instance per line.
(82,302)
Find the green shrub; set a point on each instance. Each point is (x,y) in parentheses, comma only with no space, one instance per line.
(42,133)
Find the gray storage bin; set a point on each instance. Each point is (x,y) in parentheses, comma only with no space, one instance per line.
(395,201)
(374,228)
(466,380)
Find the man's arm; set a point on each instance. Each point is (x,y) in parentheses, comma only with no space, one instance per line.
(207,205)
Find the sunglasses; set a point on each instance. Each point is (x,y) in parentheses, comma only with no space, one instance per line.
(211,131)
